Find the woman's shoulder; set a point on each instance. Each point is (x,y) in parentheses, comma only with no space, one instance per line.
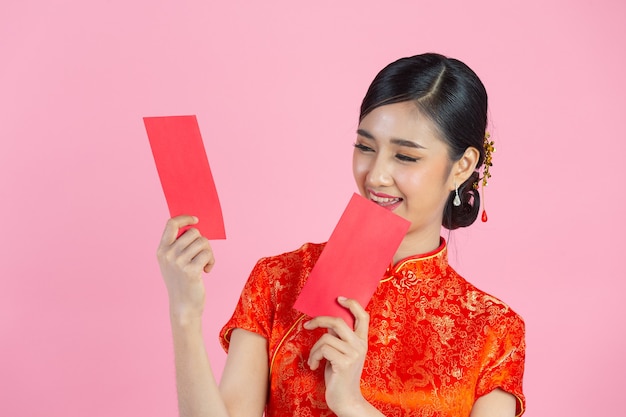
(288,269)
(480,303)
(305,255)
(282,276)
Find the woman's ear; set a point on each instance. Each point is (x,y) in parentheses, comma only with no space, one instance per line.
(465,166)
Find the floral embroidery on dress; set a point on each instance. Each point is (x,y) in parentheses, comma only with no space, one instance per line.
(436,342)
(406,280)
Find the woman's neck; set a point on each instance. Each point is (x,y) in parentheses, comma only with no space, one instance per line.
(417,244)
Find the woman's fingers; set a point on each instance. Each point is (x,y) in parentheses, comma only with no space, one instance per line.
(187,250)
(182,260)
(340,345)
(332,349)
(203,260)
(339,326)
(334,325)
(361,317)
(173,225)
(188,255)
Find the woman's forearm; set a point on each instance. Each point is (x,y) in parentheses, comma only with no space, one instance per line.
(198,393)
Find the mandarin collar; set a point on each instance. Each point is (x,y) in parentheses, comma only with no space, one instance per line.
(430,263)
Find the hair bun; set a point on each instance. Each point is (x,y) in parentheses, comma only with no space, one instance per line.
(465,214)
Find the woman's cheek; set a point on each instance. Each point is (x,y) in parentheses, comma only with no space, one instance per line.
(407,182)
(359,169)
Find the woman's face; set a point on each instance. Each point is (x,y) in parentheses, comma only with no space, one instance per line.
(401,164)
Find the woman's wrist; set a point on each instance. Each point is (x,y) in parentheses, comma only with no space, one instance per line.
(360,408)
(185,319)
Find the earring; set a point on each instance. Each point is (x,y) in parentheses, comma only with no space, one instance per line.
(457,199)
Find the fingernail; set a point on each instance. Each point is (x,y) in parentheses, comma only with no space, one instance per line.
(306,324)
(341,298)
(195,219)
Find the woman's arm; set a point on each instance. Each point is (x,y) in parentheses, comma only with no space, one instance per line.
(182,261)
(497,403)
(245,380)
(243,387)
(198,394)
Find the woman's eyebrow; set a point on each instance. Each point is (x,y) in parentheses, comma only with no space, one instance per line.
(365,134)
(395,141)
(408,143)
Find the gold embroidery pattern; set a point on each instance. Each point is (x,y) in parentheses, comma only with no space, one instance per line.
(436,343)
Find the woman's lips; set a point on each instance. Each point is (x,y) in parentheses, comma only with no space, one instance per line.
(384,200)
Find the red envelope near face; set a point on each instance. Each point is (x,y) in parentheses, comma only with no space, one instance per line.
(354,260)
(184,172)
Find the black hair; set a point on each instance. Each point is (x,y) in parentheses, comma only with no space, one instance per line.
(449,93)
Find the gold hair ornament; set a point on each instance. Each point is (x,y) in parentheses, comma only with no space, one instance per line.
(489,150)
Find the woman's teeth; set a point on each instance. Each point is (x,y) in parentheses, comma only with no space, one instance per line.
(384,201)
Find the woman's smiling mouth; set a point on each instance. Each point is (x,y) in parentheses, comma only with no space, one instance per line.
(387,201)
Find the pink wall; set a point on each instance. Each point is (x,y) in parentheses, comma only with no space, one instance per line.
(276,87)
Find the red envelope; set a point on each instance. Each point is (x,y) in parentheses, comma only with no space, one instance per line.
(185,173)
(354,260)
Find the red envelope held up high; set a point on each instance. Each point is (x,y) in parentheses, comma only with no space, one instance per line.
(185,173)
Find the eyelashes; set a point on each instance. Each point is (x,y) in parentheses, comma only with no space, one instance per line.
(406,158)
(363,148)
(399,156)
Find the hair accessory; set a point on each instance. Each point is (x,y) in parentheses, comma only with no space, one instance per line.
(457,199)
(489,150)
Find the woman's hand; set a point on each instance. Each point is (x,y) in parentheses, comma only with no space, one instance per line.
(182,261)
(344,351)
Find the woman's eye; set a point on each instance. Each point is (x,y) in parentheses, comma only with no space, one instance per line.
(406,158)
(363,148)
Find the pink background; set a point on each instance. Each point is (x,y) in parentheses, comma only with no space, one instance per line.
(276,87)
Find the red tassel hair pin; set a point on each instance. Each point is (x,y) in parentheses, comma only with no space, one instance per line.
(489,150)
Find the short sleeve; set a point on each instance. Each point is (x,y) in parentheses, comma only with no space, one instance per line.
(255,310)
(504,360)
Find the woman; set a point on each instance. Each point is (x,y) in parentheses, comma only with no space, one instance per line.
(428,343)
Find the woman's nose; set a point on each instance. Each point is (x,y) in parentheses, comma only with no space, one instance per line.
(379,174)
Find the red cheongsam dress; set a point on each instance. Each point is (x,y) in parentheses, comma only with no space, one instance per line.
(436,342)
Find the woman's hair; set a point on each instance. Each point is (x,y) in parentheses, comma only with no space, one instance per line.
(453,97)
